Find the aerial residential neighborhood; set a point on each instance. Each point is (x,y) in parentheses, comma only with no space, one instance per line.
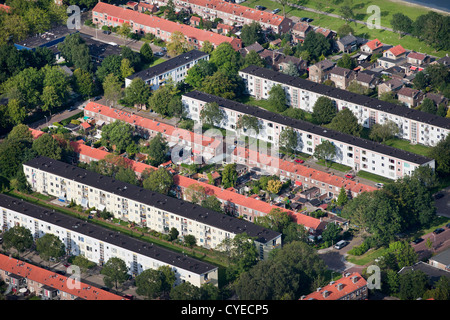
(224,150)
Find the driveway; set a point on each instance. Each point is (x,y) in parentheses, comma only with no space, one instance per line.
(336,259)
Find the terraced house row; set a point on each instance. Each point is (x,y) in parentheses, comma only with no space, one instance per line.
(144,207)
(415,126)
(98,244)
(104,14)
(357,153)
(232,14)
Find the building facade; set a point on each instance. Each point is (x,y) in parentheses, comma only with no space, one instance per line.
(414,126)
(357,153)
(175,69)
(99,245)
(104,14)
(144,207)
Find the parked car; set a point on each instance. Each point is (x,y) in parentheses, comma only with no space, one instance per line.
(349,176)
(106,32)
(299,160)
(260,7)
(379,185)
(438,195)
(309,20)
(418,240)
(275,11)
(438,230)
(159,54)
(340,244)
(447,225)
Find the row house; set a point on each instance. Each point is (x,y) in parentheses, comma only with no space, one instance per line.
(208,146)
(357,153)
(327,183)
(409,97)
(174,69)
(233,14)
(341,77)
(320,71)
(414,125)
(232,202)
(144,207)
(98,244)
(352,286)
(299,31)
(146,7)
(46,284)
(104,14)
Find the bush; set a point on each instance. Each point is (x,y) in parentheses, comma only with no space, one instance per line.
(359,250)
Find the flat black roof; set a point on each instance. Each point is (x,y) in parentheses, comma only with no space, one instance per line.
(41,39)
(169,65)
(309,127)
(336,93)
(113,237)
(160,201)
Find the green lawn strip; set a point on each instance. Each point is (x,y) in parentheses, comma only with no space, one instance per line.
(373,177)
(334,165)
(407,146)
(367,257)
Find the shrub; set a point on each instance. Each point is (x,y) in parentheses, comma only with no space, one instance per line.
(359,250)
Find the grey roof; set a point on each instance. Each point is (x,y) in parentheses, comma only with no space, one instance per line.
(432,272)
(347,39)
(169,65)
(348,96)
(309,127)
(113,237)
(160,201)
(443,257)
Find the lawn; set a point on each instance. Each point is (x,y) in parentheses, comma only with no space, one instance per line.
(407,146)
(372,177)
(334,165)
(367,257)
(387,7)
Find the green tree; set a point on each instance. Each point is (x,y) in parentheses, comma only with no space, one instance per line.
(207,47)
(117,135)
(401,23)
(162,100)
(50,246)
(212,203)
(229,175)
(332,233)
(153,283)
(159,180)
(345,30)
(220,84)
(412,284)
(247,122)
(16,111)
(126,175)
(212,114)
(146,53)
(428,106)
(115,272)
(199,72)
(126,68)
(157,150)
(251,33)
(317,45)
(226,59)
(324,110)
(420,81)
(277,220)
(111,64)
(178,44)
(137,93)
(83,83)
(326,151)
(346,122)
(185,291)
(277,99)
(18,237)
(190,240)
(291,70)
(441,154)
(289,140)
(47,146)
(112,88)
(383,132)
(403,253)
(342,197)
(346,62)
(253,58)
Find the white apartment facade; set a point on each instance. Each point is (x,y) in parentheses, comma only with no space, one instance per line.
(174,69)
(143,207)
(99,245)
(414,126)
(357,153)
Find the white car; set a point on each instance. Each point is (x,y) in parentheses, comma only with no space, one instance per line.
(379,185)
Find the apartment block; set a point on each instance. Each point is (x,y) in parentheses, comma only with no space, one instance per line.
(232,14)
(104,14)
(144,207)
(414,125)
(175,69)
(357,153)
(99,245)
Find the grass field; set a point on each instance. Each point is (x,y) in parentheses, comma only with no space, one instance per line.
(387,8)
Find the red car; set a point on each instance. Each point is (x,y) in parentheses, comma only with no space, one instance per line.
(349,176)
(299,160)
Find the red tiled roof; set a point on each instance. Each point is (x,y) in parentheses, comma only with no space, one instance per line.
(238,10)
(301,27)
(374,44)
(36,133)
(128,15)
(5,7)
(339,288)
(397,50)
(54,280)
(85,125)
(416,55)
